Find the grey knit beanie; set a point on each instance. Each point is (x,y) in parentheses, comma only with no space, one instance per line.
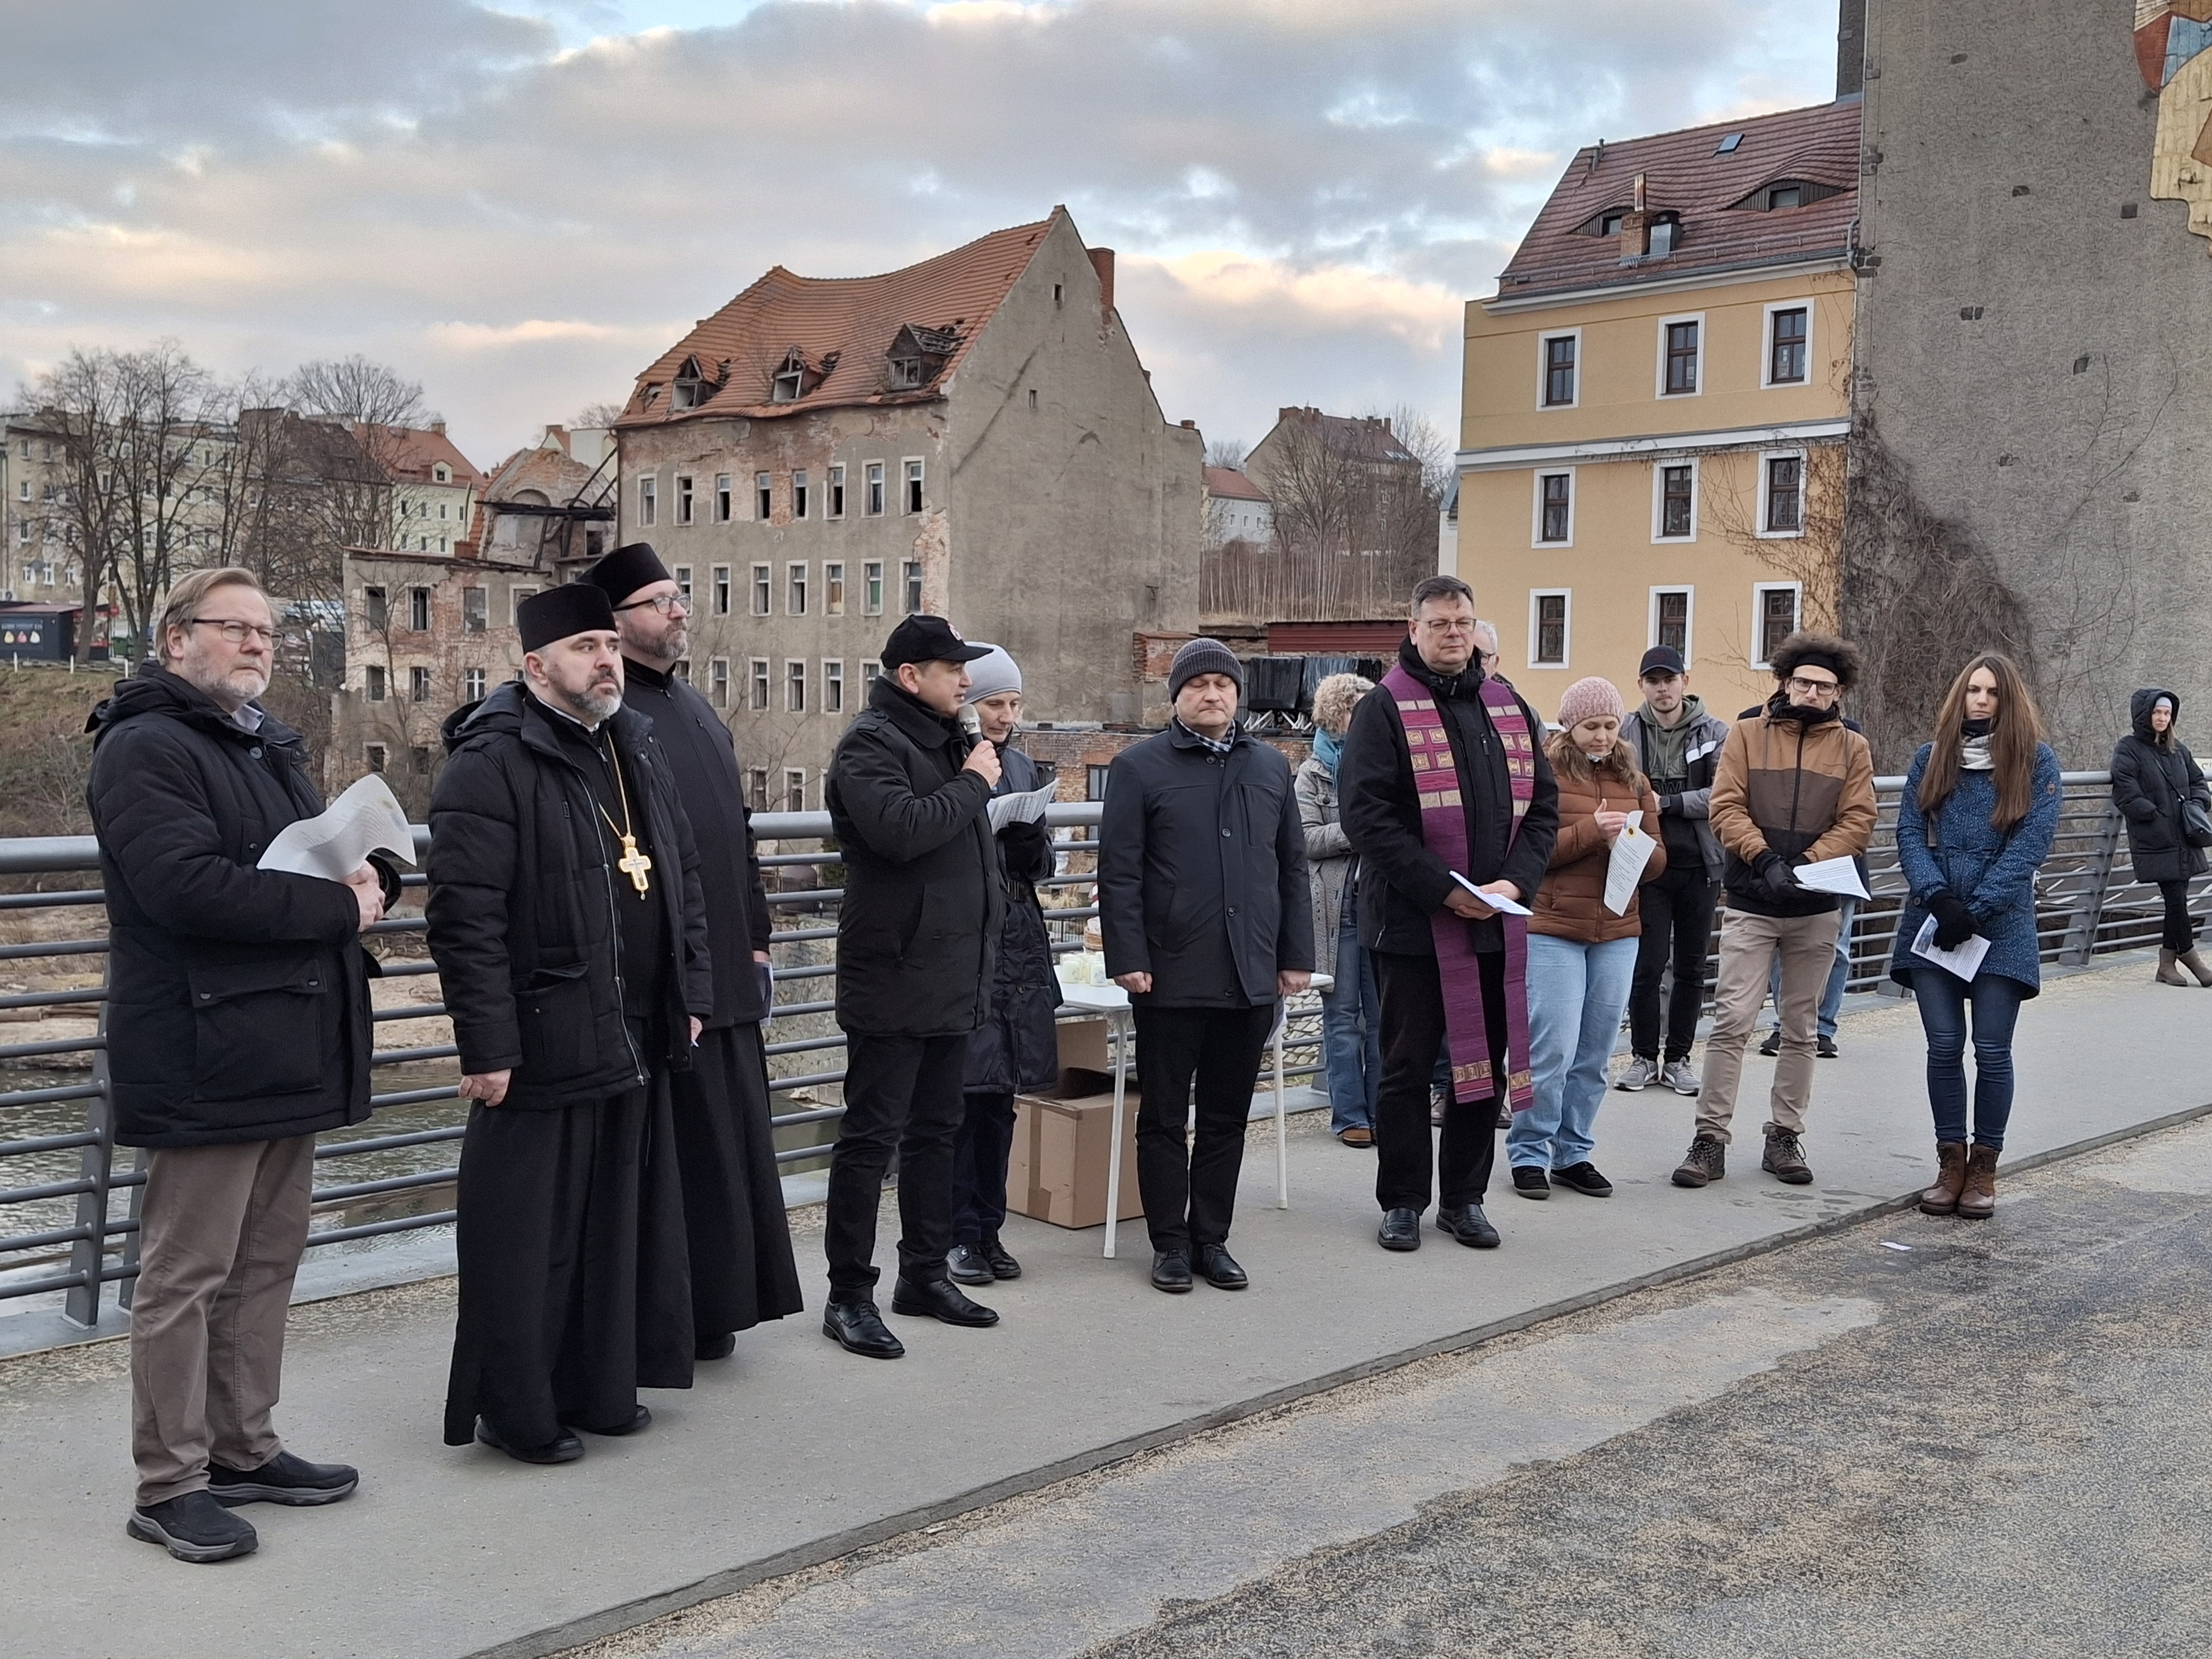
(1204,656)
(988,676)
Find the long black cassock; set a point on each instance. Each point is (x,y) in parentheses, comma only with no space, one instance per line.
(742,1270)
(574,1286)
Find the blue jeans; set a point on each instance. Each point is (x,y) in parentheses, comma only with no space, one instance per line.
(1944,999)
(1352,1036)
(1832,994)
(1576,993)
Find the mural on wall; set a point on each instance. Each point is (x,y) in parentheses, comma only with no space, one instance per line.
(2173,47)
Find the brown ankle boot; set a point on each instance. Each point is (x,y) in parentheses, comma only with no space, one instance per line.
(1942,1198)
(2194,961)
(1977,1200)
(2167,973)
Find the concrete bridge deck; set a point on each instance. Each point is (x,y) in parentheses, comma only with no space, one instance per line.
(794,1452)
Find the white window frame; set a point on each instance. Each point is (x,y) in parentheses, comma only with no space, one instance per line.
(791,775)
(1659,500)
(833,677)
(724,492)
(1759,593)
(648,500)
(764,485)
(795,699)
(721,581)
(798,585)
(1543,366)
(871,587)
(473,681)
(761,593)
(913,475)
(1704,341)
(1536,505)
(1766,342)
(1689,619)
(683,575)
(515,595)
(686,498)
(833,490)
(1566,629)
(718,682)
(1804,494)
(802,493)
(760,687)
(832,587)
(875,488)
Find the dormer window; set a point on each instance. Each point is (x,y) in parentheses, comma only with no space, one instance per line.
(1784,194)
(1666,235)
(443,474)
(791,380)
(691,387)
(906,374)
(1607,223)
(918,355)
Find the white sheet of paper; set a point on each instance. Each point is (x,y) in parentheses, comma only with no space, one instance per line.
(337,841)
(1631,851)
(1965,961)
(1026,808)
(1495,901)
(1832,876)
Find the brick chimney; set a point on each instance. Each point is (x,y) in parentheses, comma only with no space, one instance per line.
(438,427)
(1851,47)
(1636,226)
(1102,261)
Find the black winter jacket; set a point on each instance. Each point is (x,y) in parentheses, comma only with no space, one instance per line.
(522,917)
(1017,1046)
(1402,883)
(703,758)
(238,998)
(2149,784)
(918,925)
(1202,871)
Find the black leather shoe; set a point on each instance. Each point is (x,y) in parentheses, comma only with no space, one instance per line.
(857,1327)
(1219,1268)
(1003,1265)
(1529,1182)
(716,1347)
(284,1479)
(967,1267)
(562,1447)
(940,1298)
(1401,1229)
(1772,1045)
(1584,1178)
(1170,1272)
(640,1419)
(1469,1225)
(194,1527)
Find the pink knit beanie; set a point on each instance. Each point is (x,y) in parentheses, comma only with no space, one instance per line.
(1587,700)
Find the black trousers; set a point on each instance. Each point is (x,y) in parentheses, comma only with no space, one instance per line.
(2180,932)
(902,1095)
(1678,926)
(980,1151)
(1190,1195)
(1413,1036)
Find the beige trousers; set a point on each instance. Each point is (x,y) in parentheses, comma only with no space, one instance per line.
(1748,944)
(220,1229)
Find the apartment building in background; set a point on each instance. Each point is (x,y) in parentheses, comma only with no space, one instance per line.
(434,487)
(1656,407)
(973,437)
(36,563)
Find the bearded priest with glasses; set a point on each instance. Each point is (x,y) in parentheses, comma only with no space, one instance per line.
(568,923)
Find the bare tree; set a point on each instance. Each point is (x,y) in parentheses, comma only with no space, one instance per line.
(357,390)
(595,414)
(1229,452)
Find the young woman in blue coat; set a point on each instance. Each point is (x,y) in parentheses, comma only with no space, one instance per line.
(1975,823)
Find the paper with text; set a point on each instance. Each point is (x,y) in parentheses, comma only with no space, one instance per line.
(1497,902)
(1964,960)
(1025,808)
(337,842)
(1631,851)
(1832,876)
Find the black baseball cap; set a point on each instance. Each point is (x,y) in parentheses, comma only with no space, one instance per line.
(929,639)
(1662,660)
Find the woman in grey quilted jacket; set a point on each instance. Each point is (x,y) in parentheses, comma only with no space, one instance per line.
(1350,1011)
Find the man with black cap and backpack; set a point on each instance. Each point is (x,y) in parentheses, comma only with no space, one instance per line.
(566,919)
(908,795)
(742,1271)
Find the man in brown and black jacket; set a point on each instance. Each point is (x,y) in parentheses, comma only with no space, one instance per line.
(1794,786)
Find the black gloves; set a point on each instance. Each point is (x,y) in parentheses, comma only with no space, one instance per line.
(1773,872)
(1670,803)
(1954,923)
(1027,849)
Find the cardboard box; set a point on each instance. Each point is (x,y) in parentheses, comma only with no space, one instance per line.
(1061,1148)
(1086,1045)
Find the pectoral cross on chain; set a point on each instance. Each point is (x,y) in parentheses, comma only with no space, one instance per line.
(635,864)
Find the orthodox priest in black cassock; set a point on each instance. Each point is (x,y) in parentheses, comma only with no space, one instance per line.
(742,1270)
(570,937)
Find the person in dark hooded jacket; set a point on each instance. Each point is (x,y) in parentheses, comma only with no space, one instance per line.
(2154,780)
(1016,1048)
(238,1026)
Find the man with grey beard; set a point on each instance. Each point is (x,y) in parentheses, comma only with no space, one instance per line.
(566,919)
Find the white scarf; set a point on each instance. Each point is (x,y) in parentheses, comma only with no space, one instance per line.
(1974,755)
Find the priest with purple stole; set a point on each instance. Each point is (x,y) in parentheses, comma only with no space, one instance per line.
(1449,805)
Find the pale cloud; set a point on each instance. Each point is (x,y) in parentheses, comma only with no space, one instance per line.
(520,210)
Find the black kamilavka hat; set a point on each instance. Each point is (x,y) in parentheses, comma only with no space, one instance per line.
(558,612)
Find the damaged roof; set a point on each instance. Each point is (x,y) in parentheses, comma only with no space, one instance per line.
(791,343)
(1709,185)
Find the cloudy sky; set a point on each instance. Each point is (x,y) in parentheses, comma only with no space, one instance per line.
(521,206)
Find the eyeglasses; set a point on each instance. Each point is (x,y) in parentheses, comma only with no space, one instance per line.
(236,632)
(1488,656)
(1805,688)
(663,603)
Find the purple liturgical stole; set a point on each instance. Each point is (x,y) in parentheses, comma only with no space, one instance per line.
(1443,831)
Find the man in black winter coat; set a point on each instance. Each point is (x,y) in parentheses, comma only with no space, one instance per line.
(917,932)
(570,935)
(238,1026)
(1405,885)
(742,1270)
(1203,902)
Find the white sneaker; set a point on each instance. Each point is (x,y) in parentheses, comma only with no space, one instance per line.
(1638,1073)
(1680,1076)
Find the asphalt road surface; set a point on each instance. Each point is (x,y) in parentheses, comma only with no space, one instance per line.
(1989,1442)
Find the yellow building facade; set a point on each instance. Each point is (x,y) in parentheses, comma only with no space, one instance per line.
(1652,444)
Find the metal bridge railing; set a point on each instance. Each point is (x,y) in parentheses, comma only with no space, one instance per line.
(69,1198)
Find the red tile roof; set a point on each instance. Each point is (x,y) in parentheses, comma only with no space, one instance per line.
(1229,484)
(842,328)
(1686,173)
(409,453)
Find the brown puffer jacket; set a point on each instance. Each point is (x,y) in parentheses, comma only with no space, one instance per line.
(1571,904)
